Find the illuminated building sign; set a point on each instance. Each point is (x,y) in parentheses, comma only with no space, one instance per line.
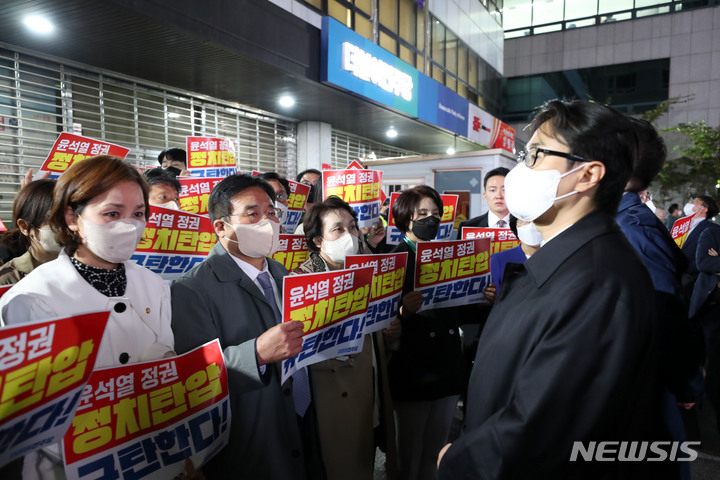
(371,69)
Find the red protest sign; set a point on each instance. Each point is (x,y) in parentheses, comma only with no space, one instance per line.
(70,148)
(211,157)
(359,188)
(292,251)
(680,230)
(387,286)
(195,193)
(174,241)
(452,272)
(168,409)
(501,238)
(43,368)
(332,307)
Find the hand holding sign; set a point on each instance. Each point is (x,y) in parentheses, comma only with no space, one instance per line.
(280,342)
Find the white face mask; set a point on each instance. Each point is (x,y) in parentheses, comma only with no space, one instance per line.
(530,193)
(114,242)
(529,235)
(257,240)
(341,247)
(48,240)
(172,205)
(690,209)
(650,205)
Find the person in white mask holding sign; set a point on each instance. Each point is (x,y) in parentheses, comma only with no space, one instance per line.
(99,214)
(567,358)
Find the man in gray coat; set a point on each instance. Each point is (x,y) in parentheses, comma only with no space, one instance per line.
(235,295)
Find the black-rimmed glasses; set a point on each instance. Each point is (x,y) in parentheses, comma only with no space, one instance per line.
(530,157)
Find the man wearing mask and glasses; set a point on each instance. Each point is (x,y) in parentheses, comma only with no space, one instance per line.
(567,354)
(235,295)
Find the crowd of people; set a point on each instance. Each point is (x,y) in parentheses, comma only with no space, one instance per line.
(596,327)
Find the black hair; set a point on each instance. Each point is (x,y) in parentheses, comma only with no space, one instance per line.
(672,208)
(595,132)
(313,221)
(651,155)
(32,204)
(158,175)
(219,205)
(173,153)
(710,204)
(513,224)
(405,205)
(495,172)
(275,176)
(309,170)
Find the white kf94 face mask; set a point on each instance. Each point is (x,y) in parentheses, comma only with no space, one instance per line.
(114,242)
(529,235)
(257,240)
(530,193)
(341,247)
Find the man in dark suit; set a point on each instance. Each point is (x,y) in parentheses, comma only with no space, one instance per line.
(703,209)
(494,194)
(568,354)
(234,295)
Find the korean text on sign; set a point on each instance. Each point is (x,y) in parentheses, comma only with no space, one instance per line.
(210,157)
(292,251)
(174,241)
(296,202)
(359,188)
(501,239)
(680,229)
(453,272)
(70,148)
(195,193)
(447,220)
(332,307)
(387,286)
(142,420)
(43,369)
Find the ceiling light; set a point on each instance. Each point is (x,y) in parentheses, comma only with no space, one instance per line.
(38,24)
(392,133)
(286,101)
(451,151)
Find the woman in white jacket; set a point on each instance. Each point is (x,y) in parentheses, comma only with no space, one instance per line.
(99,213)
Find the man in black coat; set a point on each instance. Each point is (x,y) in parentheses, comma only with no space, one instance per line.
(703,209)
(568,355)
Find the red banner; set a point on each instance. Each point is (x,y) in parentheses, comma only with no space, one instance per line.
(292,251)
(211,157)
(195,193)
(70,148)
(453,272)
(680,230)
(332,307)
(43,367)
(142,420)
(387,286)
(359,188)
(501,239)
(174,242)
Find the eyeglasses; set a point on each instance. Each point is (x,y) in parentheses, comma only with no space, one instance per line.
(280,196)
(530,157)
(256,215)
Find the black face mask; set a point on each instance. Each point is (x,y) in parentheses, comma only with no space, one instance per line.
(426,228)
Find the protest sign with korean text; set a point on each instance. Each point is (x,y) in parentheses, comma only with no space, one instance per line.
(387,286)
(501,239)
(143,420)
(452,272)
(296,202)
(447,221)
(174,241)
(332,307)
(44,366)
(195,193)
(292,251)
(70,148)
(359,188)
(211,157)
(680,230)
(354,165)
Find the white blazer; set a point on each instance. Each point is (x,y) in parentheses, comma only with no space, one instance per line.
(139,324)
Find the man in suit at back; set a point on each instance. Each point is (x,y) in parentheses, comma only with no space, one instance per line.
(498,215)
(702,208)
(235,296)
